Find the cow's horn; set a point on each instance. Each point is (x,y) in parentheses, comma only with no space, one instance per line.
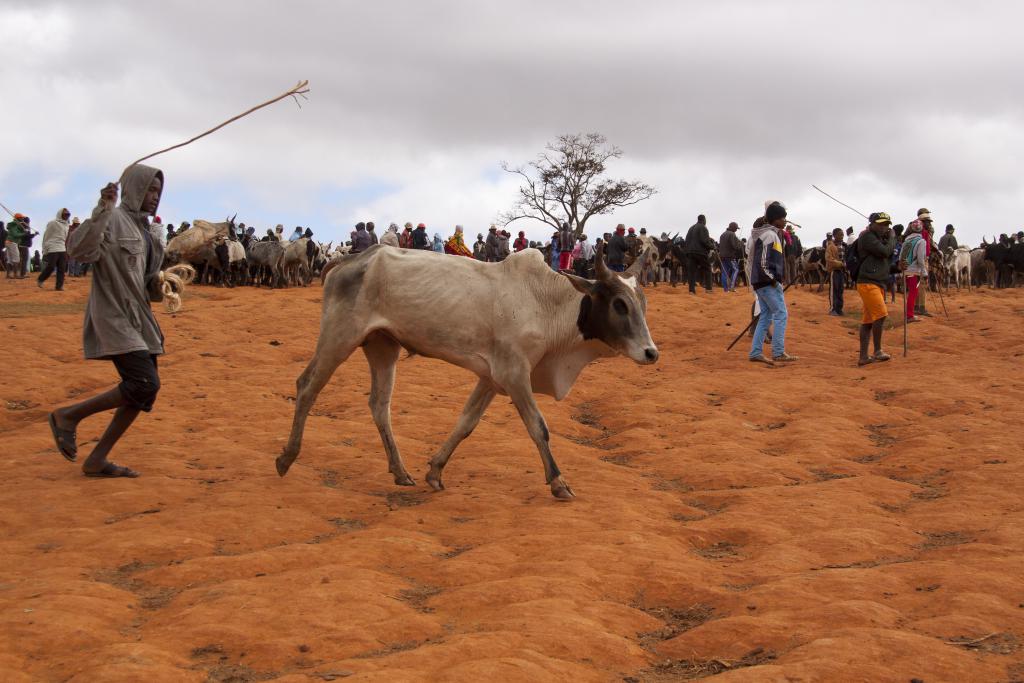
(600,269)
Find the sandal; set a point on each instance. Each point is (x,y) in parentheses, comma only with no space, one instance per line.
(112,471)
(64,439)
(761,359)
(882,356)
(865,361)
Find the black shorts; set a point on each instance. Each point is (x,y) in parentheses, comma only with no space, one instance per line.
(139,380)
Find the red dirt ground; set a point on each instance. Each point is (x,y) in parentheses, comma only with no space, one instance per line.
(808,523)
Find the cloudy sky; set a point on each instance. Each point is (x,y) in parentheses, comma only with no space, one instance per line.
(888,105)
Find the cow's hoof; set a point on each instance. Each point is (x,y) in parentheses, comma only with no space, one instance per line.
(403,479)
(435,481)
(561,490)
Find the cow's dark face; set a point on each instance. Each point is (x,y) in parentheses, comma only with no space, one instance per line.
(613,310)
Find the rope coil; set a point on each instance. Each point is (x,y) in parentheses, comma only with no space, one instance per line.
(173,282)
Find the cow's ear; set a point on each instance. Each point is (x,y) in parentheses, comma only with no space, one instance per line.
(582,285)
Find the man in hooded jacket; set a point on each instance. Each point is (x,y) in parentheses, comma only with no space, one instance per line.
(54,249)
(119,324)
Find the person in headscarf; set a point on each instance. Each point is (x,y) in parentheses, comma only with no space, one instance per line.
(390,236)
(456,244)
(296,234)
(279,232)
(119,323)
(405,239)
(438,243)
(54,249)
(503,250)
(360,239)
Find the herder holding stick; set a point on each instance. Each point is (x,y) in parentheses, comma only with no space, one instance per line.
(119,324)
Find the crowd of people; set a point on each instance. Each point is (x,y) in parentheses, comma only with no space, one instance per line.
(879,261)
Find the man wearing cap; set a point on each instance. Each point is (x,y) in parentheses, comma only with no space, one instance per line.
(405,239)
(55,250)
(480,248)
(947,242)
(874,248)
(616,250)
(914,262)
(924,227)
(420,239)
(731,250)
(767,270)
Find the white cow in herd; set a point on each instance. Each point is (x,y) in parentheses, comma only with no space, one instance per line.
(518,325)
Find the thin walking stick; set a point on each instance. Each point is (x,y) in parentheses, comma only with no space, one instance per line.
(751,324)
(904,276)
(300,90)
(938,288)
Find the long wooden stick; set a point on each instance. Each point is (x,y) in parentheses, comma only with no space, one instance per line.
(300,90)
(904,275)
(10,212)
(838,202)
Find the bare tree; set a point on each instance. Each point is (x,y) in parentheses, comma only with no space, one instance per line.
(566,183)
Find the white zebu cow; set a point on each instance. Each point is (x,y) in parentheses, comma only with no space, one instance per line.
(958,264)
(518,325)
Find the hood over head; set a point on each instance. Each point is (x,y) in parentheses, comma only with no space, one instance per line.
(135,181)
(60,215)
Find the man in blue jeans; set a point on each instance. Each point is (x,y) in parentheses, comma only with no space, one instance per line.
(767,270)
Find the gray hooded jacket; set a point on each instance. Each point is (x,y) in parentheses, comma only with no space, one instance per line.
(55,235)
(118,318)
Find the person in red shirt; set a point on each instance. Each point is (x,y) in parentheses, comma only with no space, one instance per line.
(521,242)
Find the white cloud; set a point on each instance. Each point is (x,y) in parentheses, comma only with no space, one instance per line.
(891,106)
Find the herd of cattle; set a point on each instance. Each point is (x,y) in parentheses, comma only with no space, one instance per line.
(221,259)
